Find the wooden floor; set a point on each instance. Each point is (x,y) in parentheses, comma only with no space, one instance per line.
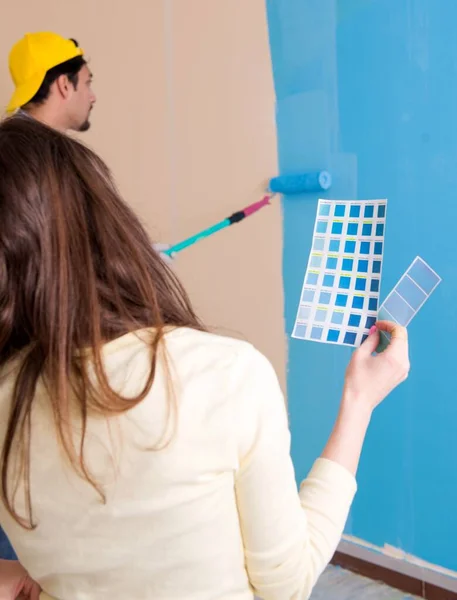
(337,584)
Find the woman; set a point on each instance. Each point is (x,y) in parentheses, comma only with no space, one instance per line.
(144,457)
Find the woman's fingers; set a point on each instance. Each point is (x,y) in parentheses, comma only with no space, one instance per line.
(393,329)
(397,350)
(370,344)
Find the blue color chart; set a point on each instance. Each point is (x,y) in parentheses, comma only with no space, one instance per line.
(410,293)
(408,296)
(340,294)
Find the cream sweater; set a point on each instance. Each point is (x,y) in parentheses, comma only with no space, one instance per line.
(213,515)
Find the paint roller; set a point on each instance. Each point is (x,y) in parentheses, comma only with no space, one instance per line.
(287,185)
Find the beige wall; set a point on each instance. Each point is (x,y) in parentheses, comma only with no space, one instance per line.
(185,119)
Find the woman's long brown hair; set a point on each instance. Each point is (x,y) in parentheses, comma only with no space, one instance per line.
(77,270)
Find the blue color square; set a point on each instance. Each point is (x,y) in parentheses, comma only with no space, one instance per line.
(349,338)
(374,287)
(355,211)
(373,304)
(360,284)
(321,227)
(316,261)
(304,313)
(307,296)
(349,247)
(300,331)
(367,229)
(345,283)
(340,209)
(369,211)
(384,315)
(364,247)
(381,211)
(357,302)
(364,337)
(337,228)
(412,293)
(370,322)
(423,276)
(316,333)
(333,335)
(341,300)
(334,246)
(329,280)
(337,318)
(332,262)
(354,320)
(324,210)
(380,229)
(319,244)
(376,266)
(398,309)
(362,266)
(320,315)
(324,298)
(352,228)
(348,264)
(378,248)
(312,278)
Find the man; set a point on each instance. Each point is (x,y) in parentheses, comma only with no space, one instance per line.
(52,81)
(53,85)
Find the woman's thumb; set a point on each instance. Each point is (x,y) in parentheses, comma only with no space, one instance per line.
(371,343)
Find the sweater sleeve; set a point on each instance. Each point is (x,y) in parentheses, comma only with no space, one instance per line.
(288,537)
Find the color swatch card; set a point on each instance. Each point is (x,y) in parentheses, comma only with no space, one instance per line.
(340,295)
(408,296)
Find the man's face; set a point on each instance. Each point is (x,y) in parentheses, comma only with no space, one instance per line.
(81,101)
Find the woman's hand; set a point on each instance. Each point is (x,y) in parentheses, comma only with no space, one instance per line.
(15,583)
(160,248)
(369,379)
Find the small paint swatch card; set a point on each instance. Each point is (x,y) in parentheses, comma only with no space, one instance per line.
(340,295)
(409,295)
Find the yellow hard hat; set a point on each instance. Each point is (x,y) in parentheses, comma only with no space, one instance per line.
(30,59)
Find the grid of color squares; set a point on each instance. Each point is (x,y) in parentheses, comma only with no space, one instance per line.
(408,296)
(340,294)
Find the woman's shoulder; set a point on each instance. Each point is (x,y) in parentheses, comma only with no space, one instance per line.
(205,350)
(195,352)
(209,339)
(209,346)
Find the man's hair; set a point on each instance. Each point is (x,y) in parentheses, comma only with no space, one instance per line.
(70,68)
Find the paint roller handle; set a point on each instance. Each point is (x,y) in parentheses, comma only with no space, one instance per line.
(369,379)
(162,250)
(190,241)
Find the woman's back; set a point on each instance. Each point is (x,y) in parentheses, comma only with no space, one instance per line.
(212,514)
(169,527)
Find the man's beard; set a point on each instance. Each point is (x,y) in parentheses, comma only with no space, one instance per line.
(85,126)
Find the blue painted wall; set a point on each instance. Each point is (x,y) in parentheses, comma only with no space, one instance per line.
(368,89)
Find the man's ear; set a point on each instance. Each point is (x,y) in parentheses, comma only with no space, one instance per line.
(63,86)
